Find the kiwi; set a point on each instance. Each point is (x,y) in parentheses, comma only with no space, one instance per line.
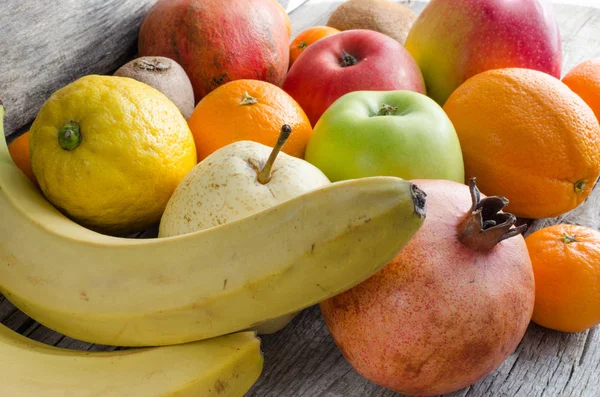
(383,16)
(165,75)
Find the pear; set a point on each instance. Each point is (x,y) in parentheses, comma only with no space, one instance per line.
(234,182)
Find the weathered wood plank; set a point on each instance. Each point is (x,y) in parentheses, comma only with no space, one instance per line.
(102,36)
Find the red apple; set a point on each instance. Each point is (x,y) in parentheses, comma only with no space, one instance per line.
(354,60)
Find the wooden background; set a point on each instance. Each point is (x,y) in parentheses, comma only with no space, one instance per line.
(46,44)
(301,360)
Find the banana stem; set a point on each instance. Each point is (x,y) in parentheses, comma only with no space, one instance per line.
(264,175)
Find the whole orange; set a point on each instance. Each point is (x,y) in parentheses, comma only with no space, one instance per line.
(566,267)
(584,80)
(306,38)
(526,136)
(248,110)
(19,151)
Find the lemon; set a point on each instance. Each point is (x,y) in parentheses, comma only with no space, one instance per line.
(109,151)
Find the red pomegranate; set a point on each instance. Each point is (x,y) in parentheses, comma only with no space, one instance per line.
(217,41)
(450,308)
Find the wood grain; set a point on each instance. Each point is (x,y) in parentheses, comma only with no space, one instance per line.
(47,44)
(302,360)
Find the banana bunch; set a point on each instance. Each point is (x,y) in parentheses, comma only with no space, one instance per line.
(225,366)
(175,290)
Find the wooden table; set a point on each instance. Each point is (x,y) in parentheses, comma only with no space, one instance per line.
(302,359)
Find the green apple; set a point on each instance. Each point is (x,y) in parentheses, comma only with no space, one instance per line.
(389,133)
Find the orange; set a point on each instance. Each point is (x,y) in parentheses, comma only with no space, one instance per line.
(19,151)
(566,267)
(306,38)
(526,136)
(248,110)
(584,80)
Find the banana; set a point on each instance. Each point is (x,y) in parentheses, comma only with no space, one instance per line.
(151,292)
(224,366)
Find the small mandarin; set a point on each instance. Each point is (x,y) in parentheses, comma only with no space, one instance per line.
(248,110)
(19,151)
(308,37)
(566,266)
(584,80)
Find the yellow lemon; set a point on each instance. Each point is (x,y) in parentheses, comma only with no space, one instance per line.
(109,151)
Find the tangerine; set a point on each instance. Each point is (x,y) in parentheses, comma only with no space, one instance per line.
(584,80)
(19,151)
(248,110)
(566,268)
(308,37)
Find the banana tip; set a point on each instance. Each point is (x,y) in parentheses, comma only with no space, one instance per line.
(419,200)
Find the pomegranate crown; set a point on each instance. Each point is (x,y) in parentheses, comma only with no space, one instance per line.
(485,225)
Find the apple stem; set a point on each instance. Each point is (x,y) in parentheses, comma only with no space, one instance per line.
(347,59)
(248,99)
(264,175)
(386,110)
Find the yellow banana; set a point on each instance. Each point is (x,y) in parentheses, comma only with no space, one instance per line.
(151,292)
(224,366)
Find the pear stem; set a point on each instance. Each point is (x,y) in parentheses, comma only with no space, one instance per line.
(264,175)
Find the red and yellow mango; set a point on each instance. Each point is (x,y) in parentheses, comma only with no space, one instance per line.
(452,40)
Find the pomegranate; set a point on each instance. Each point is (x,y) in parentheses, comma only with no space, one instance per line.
(217,41)
(452,305)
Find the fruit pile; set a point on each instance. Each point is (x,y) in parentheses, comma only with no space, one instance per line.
(377,167)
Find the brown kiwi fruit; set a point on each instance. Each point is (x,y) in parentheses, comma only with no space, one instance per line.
(383,16)
(165,75)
